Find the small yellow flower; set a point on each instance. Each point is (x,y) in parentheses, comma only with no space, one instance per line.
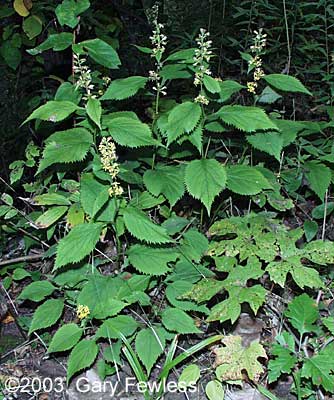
(82,312)
(251,87)
(258,74)
(115,190)
(202,100)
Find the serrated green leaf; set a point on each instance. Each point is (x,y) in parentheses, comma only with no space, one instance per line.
(68,250)
(228,88)
(302,313)
(65,338)
(130,132)
(82,356)
(182,119)
(67,146)
(46,315)
(283,363)
(271,143)
(53,111)
(245,180)
(286,83)
(246,118)
(93,194)
(319,211)
(193,245)
(94,110)
(150,344)
(142,228)
(205,179)
(166,180)
(121,89)
(101,295)
(178,321)
(146,200)
(67,91)
(151,260)
(319,177)
(320,368)
(113,328)
(37,291)
(329,324)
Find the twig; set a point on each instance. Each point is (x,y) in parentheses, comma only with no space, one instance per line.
(21,259)
(325,216)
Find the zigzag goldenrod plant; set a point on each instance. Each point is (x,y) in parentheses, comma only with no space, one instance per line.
(113,174)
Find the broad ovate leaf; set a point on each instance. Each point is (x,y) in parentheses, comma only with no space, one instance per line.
(82,356)
(37,291)
(130,132)
(143,228)
(67,146)
(176,320)
(121,89)
(94,110)
(101,295)
(68,11)
(286,83)
(65,338)
(53,111)
(150,344)
(78,243)
(205,179)
(271,143)
(46,315)
(183,119)
(246,118)
(151,260)
(166,180)
(319,177)
(101,52)
(246,180)
(302,313)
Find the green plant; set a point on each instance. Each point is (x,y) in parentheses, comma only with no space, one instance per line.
(305,350)
(109,184)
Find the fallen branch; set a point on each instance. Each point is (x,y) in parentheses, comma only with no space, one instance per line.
(21,259)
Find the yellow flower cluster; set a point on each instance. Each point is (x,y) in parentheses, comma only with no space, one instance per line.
(202,99)
(159,42)
(107,150)
(115,189)
(82,312)
(83,76)
(202,56)
(257,49)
